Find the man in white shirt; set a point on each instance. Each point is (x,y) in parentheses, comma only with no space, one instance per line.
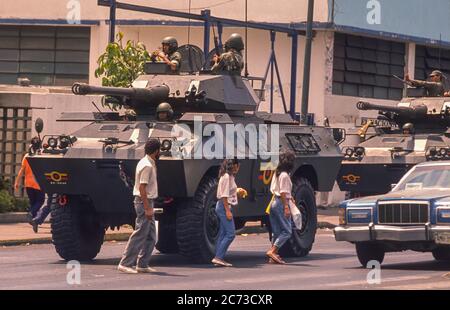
(142,241)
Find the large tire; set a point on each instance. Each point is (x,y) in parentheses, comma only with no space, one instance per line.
(76,231)
(368,251)
(301,242)
(167,234)
(197,223)
(442,254)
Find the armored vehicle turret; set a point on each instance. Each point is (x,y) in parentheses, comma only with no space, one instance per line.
(89,174)
(380,151)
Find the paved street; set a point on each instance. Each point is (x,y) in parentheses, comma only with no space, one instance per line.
(331,265)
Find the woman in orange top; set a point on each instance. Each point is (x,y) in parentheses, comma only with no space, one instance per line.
(34,193)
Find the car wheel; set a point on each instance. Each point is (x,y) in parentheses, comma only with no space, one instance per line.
(368,251)
(442,254)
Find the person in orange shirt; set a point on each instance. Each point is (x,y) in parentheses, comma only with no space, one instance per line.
(34,193)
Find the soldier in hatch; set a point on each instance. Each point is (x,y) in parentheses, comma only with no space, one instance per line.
(434,87)
(230,62)
(169,54)
(164,112)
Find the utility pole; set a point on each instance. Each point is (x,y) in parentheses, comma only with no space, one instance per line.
(307,63)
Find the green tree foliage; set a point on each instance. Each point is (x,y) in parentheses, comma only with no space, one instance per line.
(7,201)
(121,64)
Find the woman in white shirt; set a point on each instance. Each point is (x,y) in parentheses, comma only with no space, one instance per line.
(227,195)
(280,215)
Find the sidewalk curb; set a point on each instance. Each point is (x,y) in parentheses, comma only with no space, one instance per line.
(13,217)
(118,237)
(47,240)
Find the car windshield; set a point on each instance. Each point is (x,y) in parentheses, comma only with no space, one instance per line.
(434,177)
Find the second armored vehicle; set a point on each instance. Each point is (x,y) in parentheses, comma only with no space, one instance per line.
(89,174)
(382,150)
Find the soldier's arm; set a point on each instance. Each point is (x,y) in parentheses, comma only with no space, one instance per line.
(175,61)
(424,84)
(218,66)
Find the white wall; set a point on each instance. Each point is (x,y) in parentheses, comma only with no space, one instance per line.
(281,11)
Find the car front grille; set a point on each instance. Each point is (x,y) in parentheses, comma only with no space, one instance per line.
(403,212)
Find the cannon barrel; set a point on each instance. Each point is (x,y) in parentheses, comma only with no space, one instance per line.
(156,94)
(418,111)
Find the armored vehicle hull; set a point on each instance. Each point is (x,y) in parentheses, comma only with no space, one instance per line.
(377,156)
(90,180)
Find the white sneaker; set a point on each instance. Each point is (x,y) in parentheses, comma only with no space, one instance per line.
(219,262)
(145,270)
(126,269)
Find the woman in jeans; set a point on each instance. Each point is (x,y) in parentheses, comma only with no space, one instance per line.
(280,215)
(227,194)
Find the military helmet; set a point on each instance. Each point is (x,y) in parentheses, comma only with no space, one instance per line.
(436,73)
(171,42)
(164,107)
(409,127)
(235,42)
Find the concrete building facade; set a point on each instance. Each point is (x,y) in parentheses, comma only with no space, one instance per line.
(357,47)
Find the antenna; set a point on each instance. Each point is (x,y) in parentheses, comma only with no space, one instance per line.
(189,40)
(246,42)
(440,45)
(189,25)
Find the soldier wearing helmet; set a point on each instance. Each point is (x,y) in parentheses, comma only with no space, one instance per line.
(169,54)
(230,62)
(164,112)
(434,87)
(408,129)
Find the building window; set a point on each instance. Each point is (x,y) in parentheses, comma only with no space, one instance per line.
(364,67)
(45,55)
(429,59)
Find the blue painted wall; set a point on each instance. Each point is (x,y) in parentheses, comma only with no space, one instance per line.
(427,19)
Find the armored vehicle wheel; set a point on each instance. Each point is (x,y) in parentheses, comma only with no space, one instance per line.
(76,231)
(302,240)
(367,251)
(442,254)
(167,235)
(197,223)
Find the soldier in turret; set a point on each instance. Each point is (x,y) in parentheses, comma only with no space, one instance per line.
(164,112)
(169,54)
(231,62)
(434,87)
(408,129)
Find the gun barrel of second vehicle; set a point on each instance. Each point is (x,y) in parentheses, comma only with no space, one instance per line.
(412,112)
(155,94)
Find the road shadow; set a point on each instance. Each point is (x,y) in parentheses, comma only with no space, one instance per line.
(419,266)
(431,265)
(239,259)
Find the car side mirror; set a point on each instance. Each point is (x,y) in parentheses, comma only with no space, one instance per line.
(39,125)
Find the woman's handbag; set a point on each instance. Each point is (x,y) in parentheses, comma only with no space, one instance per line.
(296,214)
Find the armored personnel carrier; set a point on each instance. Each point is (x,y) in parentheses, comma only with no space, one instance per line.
(379,152)
(89,174)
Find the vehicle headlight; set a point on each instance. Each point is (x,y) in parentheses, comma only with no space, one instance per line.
(166,145)
(52,142)
(349,152)
(64,142)
(359,215)
(443,214)
(354,153)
